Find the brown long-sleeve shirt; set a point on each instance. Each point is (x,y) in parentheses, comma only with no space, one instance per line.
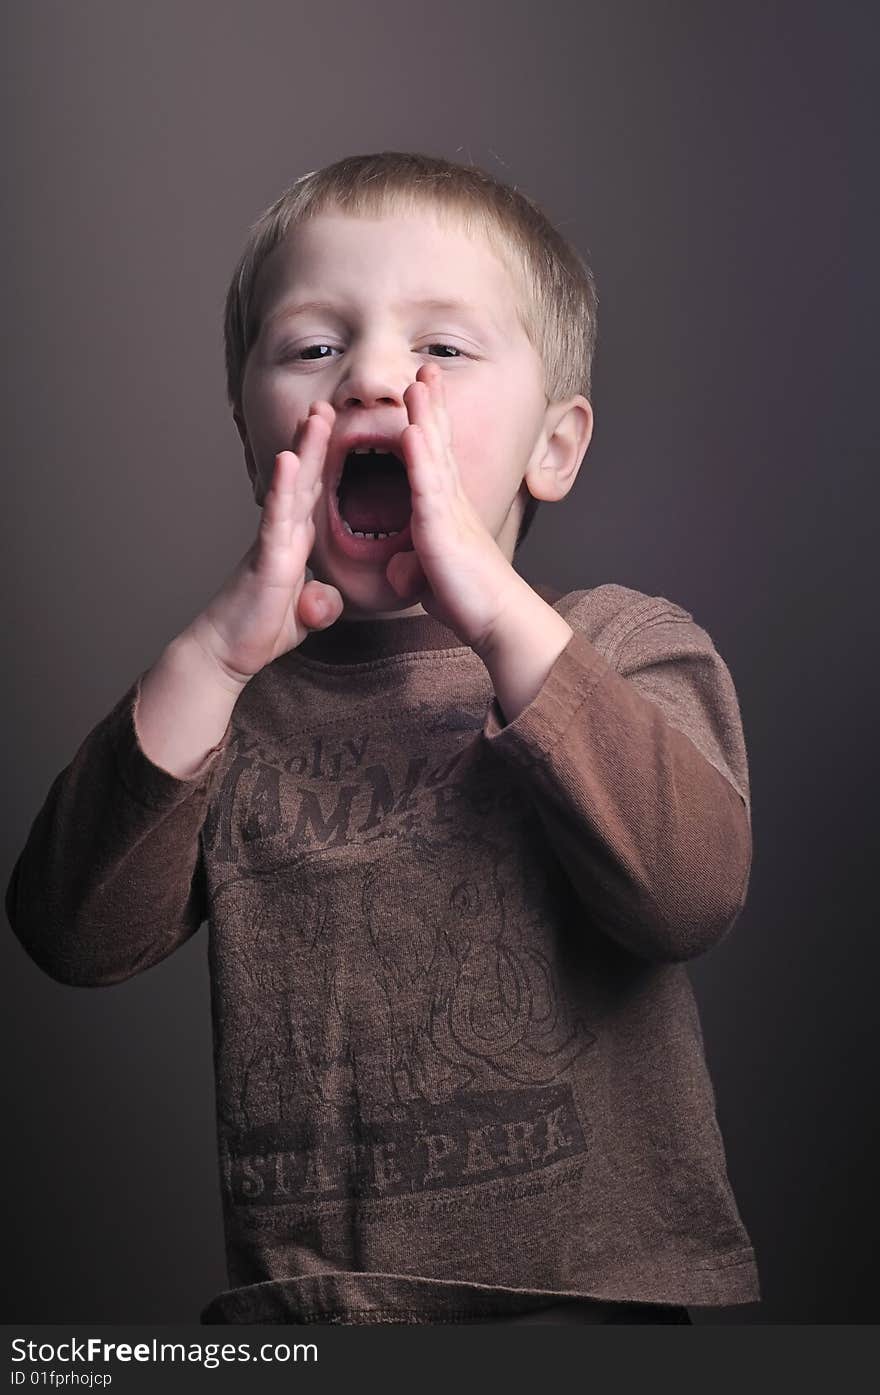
(459,1064)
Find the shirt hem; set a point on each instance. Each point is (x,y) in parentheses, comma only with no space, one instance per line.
(365,1299)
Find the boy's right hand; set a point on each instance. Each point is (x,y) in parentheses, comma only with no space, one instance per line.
(267,607)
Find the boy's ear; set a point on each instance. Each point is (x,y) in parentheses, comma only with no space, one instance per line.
(253,474)
(562,445)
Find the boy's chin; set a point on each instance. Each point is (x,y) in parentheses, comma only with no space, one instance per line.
(365,597)
(384,606)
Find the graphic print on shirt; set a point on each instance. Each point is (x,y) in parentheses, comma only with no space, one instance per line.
(391,1022)
(338,794)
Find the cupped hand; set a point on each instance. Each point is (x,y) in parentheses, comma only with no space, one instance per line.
(266,607)
(457,571)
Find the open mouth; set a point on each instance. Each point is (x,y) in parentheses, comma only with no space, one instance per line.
(373,502)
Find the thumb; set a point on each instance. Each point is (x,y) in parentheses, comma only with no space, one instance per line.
(404,573)
(320,605)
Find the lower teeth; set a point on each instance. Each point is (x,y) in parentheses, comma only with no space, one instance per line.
(353,533)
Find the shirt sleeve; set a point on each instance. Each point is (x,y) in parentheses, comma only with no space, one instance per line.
(634,756)
(111,877)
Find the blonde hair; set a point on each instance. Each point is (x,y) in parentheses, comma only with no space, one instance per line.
(557,299)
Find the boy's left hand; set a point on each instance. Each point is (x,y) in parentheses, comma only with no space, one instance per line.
(457,572)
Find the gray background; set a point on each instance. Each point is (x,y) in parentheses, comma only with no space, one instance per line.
(716,163)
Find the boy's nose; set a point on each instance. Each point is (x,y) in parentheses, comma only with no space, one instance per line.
(371,380)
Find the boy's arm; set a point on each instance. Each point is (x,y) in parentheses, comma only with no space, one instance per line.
(633,751)
(111,880)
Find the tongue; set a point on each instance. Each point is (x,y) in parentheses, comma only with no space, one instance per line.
(375,497)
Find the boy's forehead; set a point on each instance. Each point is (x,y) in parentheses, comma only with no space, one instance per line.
(404,257)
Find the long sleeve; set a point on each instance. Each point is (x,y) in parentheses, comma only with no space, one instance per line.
(634,756)
(111,880)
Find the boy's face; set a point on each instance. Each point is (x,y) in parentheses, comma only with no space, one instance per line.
(361,287)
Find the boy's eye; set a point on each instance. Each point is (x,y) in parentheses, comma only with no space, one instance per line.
(310,348)
(454,349)
(312,353)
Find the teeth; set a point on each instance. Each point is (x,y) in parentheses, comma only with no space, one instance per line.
(376,536)
(368,450)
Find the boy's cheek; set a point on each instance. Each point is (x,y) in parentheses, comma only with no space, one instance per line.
(471,435)
(478,454)
(271,434)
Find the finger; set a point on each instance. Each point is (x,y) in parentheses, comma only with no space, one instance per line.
(289,502)
(280,501)
(312,438)
(426,479)
(315,427)
(319,605)
(440,433)
(324,409)
(437,388)
(404,572)
(317,409)
(295,484)
(421,413)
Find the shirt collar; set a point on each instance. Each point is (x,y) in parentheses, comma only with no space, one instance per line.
(362,641)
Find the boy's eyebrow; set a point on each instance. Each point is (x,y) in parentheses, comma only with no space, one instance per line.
(418,303)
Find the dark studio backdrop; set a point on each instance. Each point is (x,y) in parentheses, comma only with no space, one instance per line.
(716,164)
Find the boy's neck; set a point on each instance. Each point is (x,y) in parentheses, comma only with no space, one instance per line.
(371,637)
(359,615)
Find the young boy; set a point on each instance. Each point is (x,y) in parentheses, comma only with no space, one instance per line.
(454,836)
